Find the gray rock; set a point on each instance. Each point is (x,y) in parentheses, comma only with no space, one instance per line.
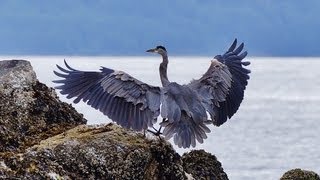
(16,74)
(29,110)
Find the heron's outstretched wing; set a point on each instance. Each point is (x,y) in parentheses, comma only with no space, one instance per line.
(124,99)
(222,87)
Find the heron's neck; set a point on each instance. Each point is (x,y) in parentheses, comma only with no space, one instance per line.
(163,70)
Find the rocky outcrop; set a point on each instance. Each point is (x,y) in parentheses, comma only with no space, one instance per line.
(299,174)
(29,110)
(42,138)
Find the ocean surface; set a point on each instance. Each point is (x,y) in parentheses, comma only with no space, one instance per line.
(276,128)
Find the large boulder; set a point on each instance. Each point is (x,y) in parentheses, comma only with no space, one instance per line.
(29,110)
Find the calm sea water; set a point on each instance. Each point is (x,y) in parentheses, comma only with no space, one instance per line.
(276,128)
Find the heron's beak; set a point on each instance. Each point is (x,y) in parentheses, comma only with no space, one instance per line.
(151,50)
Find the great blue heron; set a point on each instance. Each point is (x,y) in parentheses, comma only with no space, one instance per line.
(136,105)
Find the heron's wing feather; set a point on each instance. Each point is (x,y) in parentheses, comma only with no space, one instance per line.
(124,99)
(233,59)
(222,86)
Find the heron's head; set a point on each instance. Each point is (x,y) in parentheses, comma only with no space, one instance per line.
(159,49)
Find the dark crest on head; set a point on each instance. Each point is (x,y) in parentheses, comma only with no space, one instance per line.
(161,47)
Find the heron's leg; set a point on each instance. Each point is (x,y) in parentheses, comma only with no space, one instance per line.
(157,132)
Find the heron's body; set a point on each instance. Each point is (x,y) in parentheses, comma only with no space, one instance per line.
(136,105)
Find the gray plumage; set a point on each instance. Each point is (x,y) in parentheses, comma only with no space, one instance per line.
(136,105)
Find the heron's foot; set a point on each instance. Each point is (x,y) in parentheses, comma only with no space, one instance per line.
(155,132)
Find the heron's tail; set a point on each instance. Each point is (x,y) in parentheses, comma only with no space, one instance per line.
(185,131)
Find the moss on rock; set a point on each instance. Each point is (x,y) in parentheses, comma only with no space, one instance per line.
(203,165)
(98,152)
(299,174)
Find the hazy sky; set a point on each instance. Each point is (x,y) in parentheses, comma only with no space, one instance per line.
(185,27)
